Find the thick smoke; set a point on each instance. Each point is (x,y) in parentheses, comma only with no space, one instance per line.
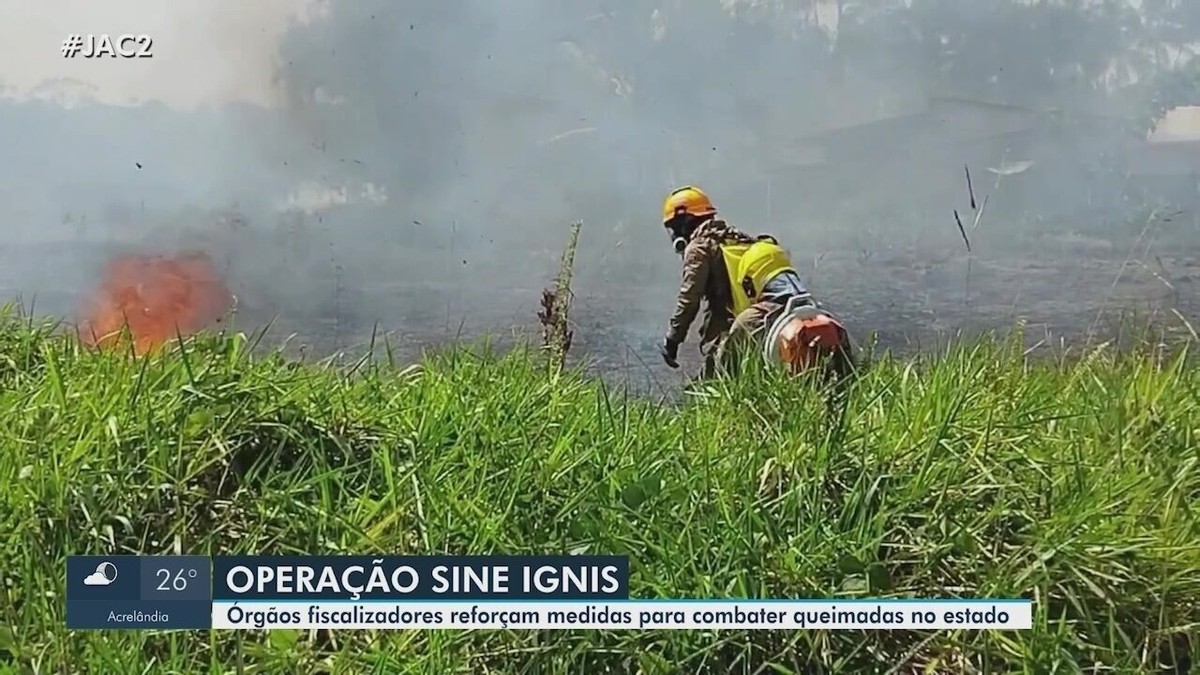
(425,160)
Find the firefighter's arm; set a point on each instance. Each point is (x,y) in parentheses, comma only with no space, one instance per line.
(691,291)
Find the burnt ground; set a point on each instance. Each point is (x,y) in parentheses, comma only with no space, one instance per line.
(908,296)
(1065,288)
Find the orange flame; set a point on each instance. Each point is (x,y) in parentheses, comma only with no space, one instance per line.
(156,298)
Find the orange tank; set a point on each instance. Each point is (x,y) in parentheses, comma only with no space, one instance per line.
(803,341)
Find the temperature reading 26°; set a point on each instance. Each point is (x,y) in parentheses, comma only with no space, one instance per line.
(174,582)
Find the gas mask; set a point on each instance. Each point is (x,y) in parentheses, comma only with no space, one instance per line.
(678,243)
(680,231)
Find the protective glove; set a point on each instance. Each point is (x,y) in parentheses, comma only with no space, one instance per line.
(670,352)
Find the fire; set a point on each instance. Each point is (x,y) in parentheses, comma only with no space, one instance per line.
(157,297)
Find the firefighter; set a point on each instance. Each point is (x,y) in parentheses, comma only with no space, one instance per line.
(742,281)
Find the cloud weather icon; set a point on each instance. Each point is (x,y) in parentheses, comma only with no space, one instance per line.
(105,574)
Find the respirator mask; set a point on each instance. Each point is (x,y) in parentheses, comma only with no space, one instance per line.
(677,242)
(679,231)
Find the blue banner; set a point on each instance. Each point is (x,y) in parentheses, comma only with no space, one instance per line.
(139,592)
(391,578)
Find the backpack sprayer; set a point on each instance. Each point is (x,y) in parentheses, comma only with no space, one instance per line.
(802,333)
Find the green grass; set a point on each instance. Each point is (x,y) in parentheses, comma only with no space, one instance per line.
(975,472)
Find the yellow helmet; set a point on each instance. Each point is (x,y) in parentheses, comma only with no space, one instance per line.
(687,199)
